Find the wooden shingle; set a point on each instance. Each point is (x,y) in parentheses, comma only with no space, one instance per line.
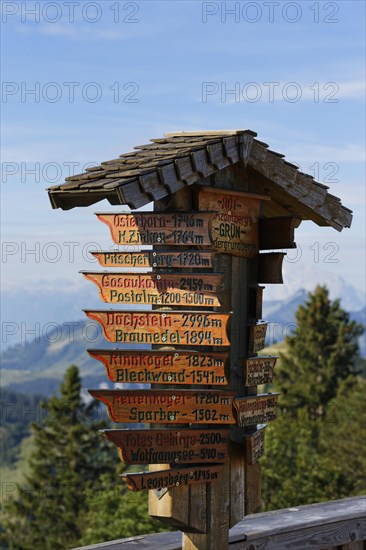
(179,159)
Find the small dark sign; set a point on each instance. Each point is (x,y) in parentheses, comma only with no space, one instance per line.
(257,409)
(259,370)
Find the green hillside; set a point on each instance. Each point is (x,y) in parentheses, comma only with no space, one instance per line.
(16,472)
(39,366)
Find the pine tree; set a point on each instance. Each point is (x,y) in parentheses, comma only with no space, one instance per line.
(322,352)
(343,435)
(308,447)
(294,470)
(69,457)
(115,512)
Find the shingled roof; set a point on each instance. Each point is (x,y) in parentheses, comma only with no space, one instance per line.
(168,164)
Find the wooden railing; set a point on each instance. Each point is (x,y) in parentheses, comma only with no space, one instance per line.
(339,524)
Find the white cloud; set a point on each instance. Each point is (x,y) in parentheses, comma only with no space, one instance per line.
(352,89)
(81,31)
(314,152)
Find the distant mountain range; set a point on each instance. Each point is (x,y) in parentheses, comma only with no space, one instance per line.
(41,340)
(280,315)
(38,367)
(305,278)
(281,301)
(32,312)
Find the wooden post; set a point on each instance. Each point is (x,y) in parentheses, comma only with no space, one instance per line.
(226,500)
(205,512)
(183,507)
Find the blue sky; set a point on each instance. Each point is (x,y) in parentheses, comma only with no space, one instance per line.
(112,75)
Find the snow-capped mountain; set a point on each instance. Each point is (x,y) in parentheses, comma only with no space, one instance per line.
(299,278)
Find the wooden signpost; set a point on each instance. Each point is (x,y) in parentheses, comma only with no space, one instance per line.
(190,328)
(170,446)
(172,478)
(189,445)
(183,259)
(168,406)
(164,367)
(169,289)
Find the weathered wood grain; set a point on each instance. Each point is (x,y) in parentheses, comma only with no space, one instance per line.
(201,163)
(132,195)
(306,198)
(182,506)
(152,186)
(237,484)
(277,233)
(253,492)
(217,156)
(186,171)
(270,267)
(231,149)
(245,147)
(338,524)
(255,302)
(168,175)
